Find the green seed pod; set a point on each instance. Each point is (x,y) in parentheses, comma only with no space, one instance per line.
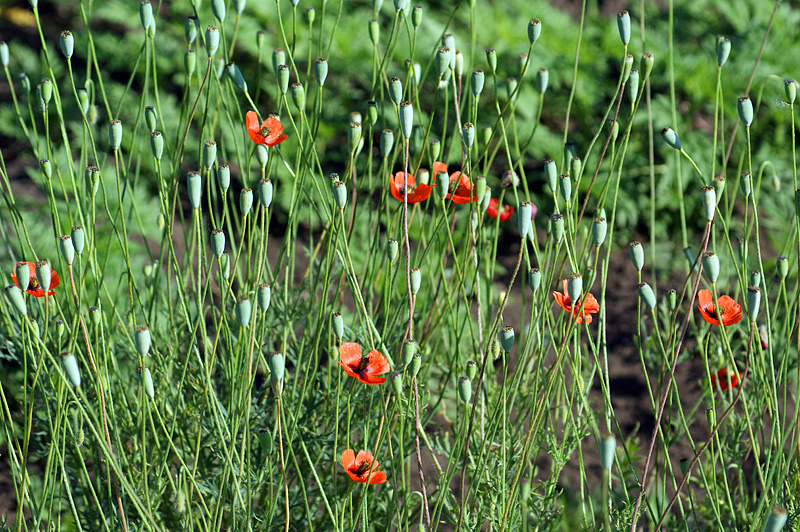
(70,366)
(624,25)
(245,201)
(262,155)
(423,177)
(415,276)
(476,82)
(150,118)
(745,108)
(3,54)
(436,149)
(627,65)
(711,265)
(468,134)
(219,67)
(44,274)
(723,50)
(647,295)
(671,138)
(25,83)
(60,328)
(406,118)
(189,62)
(340,194)
(264,297)
(551,174)
(23,274)
(147,382)
(83,100)
(321,70)
(636,253)
(491,59)
(218,8)
(142,340)
(396,90)
(283,78)
(416,364)
(753,302)
(67,249)
(646,65)
(392,249)
(755,278)
(557,227)
(387,142)
(157,144)
(400,5)
(242,310)
(217,242)
(776,520)
(542,79)
(372,112)
(574,287)
(299,96)
(459,68)
(599,231)
(47,168)
(277,366)
(507,338)
(194,184)
(235,76)
(146,14)
(354,135)
(15,297)
(78,239)
(68,43)
(409,349)
(747,184)
(311,16)
(338,325)
(709,202)
(633,85)
(278,59)
(442,185)
(487,196)
(416,16)
(212,40)
(374,32)
(534,30)
(790,88)
(224,177)
(569,151)
(115,134)
(480,188)
(672,298)
(465,389)
(524,217)
(224,264)
(511,89)
(95,316)
(190,28)
(265,192)
(449,41)
(783,267)
(719,187)
(608,447)
(565,187)
(396,379)
(534,279)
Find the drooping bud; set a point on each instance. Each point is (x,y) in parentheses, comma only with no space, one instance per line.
(671,138)
(647,295)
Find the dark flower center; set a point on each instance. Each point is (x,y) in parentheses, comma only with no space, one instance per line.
(264,131)
(363,468)
(362,364)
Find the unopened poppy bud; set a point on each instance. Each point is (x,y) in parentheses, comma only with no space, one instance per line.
(709,202)
(396,379)
(647,295)
(415,365)
(190,29)
(672,298)
(416,16)
(745,107)
(491,59)
(409,349)
(68,42)
(776,520)
(487,197)
(711,265)
(507,338)
(574,287)
(340,194)
(115,134)
(423,177)
(160,221)
(277,366)
(67,249)
(299,96)
(60,328)
(524,217)
(415,276)
(495,349)
(78,237)
(283,78)
(189,62)
(763,336)
(265,192)
(353,135)
(242,310)
(755,278)
(311,15)
(43,274)
(147,382)
(142,340)
(711,417)
(746,184)
(212,40)
(557,227)
(264,295)
(790,88)
(95,316)
(719,187)
(723,50)
(741,248)
(23,273)
(459,65)
(511,89)
(194,183)
(624,25)
(565,187)
(70,366)
(636,253)
(392,249)
(753,302)
(449,41)
(476,82)
(633,85)
(599,231)
(400,5)
(372,112)
(219,67)
(534,30)
(406,118)
(337,322)
(47,168)
(436,148)
(671,138)
(14,295)
(684,464)
(465,389)
(217,242)
(146,14)
(34,327)
(387,142)
(83,99)
(608,448)
(542,80)
(396,90)
(534,279)
(627,66)
(551,174)
(236,76)
(157,144)
(783,267)
(480,188)
(245,201)
(3,54)
(646,65)
(374,32)
(468,134)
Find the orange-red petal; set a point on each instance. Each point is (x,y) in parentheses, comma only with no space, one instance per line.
(492,210)
(350,357)
(253,128)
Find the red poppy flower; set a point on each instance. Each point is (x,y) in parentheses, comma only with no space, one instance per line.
(414,194)
(34,288)
(729,310)
(270,132)
(721,379)
(590,305)
(362,467)
(491,210)
(463,192)
(365,368)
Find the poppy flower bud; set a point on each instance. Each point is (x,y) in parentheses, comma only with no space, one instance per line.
(534,279)
(672,298)
(321,70)
(624,25)
(277,366)
(60,328)
(524,217)
(745,107)
(265,192)
(392,249)
(217,242)
(43,274)
(465,389)
(487,197)
(783,267)
(565,187)
(459,65)
(235,76)
(476,82)
(614,130)
(14,295)
(406,118)
(242,310)
(283,78)
(636,253)
(741,248)
(647,295)
(468,134)
(671,138)
(495,349)
(212,40)
(115,134)
(157,144)
(711,265)
(338,325)
(415,276)
(95,316)
(3,54)
(311,15)
(551,174)
(599,231)
(723,50)
(776,520)
(491,58)
(299,96)
(507,338)
(608,447)
(542,79)
(755,278)
(627,65)
(354,135)
(746,183)
(534,30)
(68,42)
(790,88)
(574,287)
(409,349)
(147,382)
(189,62)
(25,83)
(753,302)
(67,249)
(511,89)
(415,365)
(719,187)
(340,194)
(374,31)
(400,5)
(763,336)
(46,167)
(70,366)
(264,296)
(646,65)
(480,188)
(23,275)
(141,339)
(245,201)
(372,112)
(150,117)
(633,85)
(146,14)
(396,378)
(557,227)
(194,183)
(83,99)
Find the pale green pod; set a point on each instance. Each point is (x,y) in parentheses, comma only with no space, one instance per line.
(243,310)
(534,30)
(338,324)
(534,279)
(415,276)
(67,42)
(194,184)
(599,231)
(542,80)
(753,302)
(212,40)
(147,380)
(245,201)
(321,70)
(236,76)
(465,389)
(647,295)
(115,134)
(608,446)
(157,145)
(67,249)
(44,274)
(14,295)
(277,366)
(406,118)
(264,297)
(142,340)
(776,520)
(265,192)
(224,177)
(624,26)
(711,265)
(23,274)
(524,217)
(218,9)
(70,366)
(636,254)
(507,338)
(217,242)
(551,174)
(574,287)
